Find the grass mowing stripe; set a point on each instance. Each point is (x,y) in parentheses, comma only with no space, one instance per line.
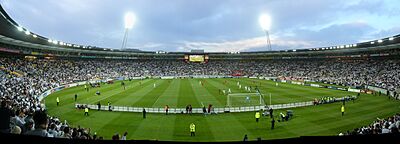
(118,94)
(170,95)
(202,94)
(157,126)
(186,95)
(131,98)
(150,98)
(123,94)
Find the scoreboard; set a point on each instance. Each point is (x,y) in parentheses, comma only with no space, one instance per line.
(196,58)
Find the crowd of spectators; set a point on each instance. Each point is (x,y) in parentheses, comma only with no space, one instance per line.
(380,126)
(22,80)
(328,99)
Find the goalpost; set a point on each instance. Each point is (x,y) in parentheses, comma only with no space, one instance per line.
(244,99)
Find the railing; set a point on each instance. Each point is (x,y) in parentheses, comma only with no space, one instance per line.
(196,110)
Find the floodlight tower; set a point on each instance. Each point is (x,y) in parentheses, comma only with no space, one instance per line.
(130,20)
(265,23)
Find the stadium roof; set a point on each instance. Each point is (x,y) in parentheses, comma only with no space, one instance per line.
(13,33)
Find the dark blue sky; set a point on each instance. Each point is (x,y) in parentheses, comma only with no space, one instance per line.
(212,25)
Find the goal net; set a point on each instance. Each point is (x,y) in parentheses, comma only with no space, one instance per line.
(244,99)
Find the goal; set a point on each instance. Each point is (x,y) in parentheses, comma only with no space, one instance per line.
(244,99)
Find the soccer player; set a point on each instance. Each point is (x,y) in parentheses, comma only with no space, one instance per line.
(154,85)
(98,93)
(76,96)
(229,91)
(276,84)
(166,109)
(247,99)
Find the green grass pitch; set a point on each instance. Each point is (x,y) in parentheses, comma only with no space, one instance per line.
(318,120)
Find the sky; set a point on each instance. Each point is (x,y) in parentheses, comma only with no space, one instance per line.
(211,25)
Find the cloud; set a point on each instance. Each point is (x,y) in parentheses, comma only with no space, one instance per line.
(147,46)
(229,25)
(244,45)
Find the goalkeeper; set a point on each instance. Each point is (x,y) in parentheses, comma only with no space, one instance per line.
(247,99)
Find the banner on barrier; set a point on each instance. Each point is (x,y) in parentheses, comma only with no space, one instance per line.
(315,85)
(353,90)
(168,77)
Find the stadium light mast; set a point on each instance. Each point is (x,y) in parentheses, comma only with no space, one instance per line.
(130,20)
(265,23)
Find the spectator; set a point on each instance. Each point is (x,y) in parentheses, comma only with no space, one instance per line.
(124,136)
(41,123)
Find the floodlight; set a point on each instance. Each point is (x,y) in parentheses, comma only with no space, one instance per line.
(130,20)
(27,32)
(49,40)
(380,41)
(35,36)
(20,28)
(265,22)
(391,38)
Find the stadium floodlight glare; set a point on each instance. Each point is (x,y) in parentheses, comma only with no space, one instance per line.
(391,38)
(27,32)
(130,20)
(380,41)
(49,40)
(34,36)
(20,28)
(265,23)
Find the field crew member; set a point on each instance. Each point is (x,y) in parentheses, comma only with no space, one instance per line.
(58,101)
(86,111)
(257,115)
(192,129)
(342,109)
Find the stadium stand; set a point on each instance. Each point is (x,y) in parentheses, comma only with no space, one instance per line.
(27,70)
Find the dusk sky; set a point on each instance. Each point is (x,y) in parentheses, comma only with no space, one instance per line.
(212,25)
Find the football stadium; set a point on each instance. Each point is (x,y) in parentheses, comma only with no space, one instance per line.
(72,92)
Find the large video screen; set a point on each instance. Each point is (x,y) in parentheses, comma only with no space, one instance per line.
(196,58)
